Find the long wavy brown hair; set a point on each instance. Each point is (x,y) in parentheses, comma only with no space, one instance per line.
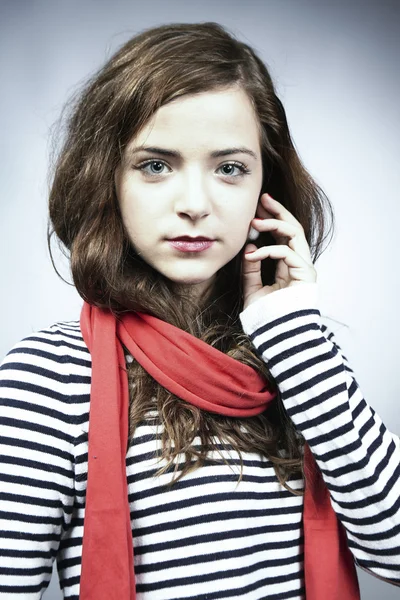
(155,67)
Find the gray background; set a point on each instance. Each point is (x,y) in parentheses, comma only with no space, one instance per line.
(336,67)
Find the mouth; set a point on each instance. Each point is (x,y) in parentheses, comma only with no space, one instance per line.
(188,238)
(187,244)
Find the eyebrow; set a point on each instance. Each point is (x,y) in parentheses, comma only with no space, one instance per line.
(176,154)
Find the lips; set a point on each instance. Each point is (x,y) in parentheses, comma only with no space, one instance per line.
(191,244)
(187,238)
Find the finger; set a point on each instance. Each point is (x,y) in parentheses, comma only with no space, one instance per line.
(278,210)
(263,213)
(298,268)
(251,273)
(291,258)
(280,230)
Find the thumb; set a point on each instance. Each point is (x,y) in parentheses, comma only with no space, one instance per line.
(251,271)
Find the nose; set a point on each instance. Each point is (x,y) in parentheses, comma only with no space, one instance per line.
(193,201)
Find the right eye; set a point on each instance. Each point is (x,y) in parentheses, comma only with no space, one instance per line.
(142,167)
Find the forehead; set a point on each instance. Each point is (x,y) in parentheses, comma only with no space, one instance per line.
(203,120)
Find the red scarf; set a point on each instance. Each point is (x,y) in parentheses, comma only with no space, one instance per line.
(213,381)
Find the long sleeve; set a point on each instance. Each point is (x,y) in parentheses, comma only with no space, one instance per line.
(358,456)
(36,463)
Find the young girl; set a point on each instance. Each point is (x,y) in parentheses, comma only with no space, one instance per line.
(197,432)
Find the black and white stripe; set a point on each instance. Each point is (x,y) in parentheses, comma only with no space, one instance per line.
(208,537)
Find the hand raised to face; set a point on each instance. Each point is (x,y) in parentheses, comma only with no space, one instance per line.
(295,264)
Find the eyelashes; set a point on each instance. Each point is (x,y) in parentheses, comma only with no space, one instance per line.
(243,169)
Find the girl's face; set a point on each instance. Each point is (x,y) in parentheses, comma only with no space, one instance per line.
(198,173)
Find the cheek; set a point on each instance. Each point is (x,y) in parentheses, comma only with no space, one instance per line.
(243,218)
(135,211)
(238,233)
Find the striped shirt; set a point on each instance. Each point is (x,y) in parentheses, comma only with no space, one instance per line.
(207,537)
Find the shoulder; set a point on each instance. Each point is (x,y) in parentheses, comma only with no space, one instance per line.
(52,347)
(48,372)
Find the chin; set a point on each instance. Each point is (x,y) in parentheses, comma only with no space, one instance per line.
(190,279)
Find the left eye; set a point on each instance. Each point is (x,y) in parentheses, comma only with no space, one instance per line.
(243,170)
